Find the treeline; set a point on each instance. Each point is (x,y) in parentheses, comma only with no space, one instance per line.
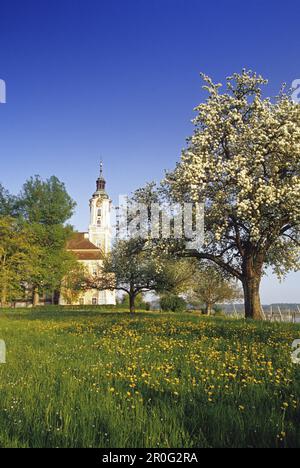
(33,236)
(133,269)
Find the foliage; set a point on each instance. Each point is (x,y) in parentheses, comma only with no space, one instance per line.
(46,206)
(218,311)
(54,261)
(140,303)
(40,238)
(72,277)
(45,202)
(128,268)
(178,274)
(18,253)
(7,203)
(212,286)
(172,303)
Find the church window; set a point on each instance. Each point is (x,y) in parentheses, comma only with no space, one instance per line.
(102,298)
(99,212)
(94,301)
(98,222)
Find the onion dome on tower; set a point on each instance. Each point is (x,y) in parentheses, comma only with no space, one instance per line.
(101,182)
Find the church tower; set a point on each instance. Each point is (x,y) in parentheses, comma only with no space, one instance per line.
(100,230)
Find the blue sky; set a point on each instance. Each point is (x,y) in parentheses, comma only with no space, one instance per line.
(119,79)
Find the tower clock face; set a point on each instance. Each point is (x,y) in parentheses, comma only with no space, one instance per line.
(99,203)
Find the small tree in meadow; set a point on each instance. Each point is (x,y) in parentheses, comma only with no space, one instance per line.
(128,268)
(212,286)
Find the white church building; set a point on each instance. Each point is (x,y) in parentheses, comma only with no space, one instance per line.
(91,247)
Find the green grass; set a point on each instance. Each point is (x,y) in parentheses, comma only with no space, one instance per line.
(90,379)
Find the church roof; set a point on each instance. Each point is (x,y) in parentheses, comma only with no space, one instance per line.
(83,248)
(80,242)
(88,255)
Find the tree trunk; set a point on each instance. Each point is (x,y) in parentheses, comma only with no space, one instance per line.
(253,309)
(132,303)
(251,279)
(56,298)
(35,297)
(208,309)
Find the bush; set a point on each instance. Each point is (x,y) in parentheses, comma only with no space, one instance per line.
(140,304)
(218,312)
(173,303)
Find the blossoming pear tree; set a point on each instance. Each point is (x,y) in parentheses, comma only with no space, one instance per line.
(243,162)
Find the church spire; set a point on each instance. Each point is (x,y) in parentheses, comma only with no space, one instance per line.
(101,182)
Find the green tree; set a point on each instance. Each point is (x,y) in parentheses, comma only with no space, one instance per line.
(8,203)
(134,269)
(139,302)
(213,286)
(74,281)
(128,268)
(45,202)
(178,274)
(53,261)
(18,251)
(46,206)
(173,303)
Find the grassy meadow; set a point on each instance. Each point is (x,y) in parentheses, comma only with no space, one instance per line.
(105,379)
